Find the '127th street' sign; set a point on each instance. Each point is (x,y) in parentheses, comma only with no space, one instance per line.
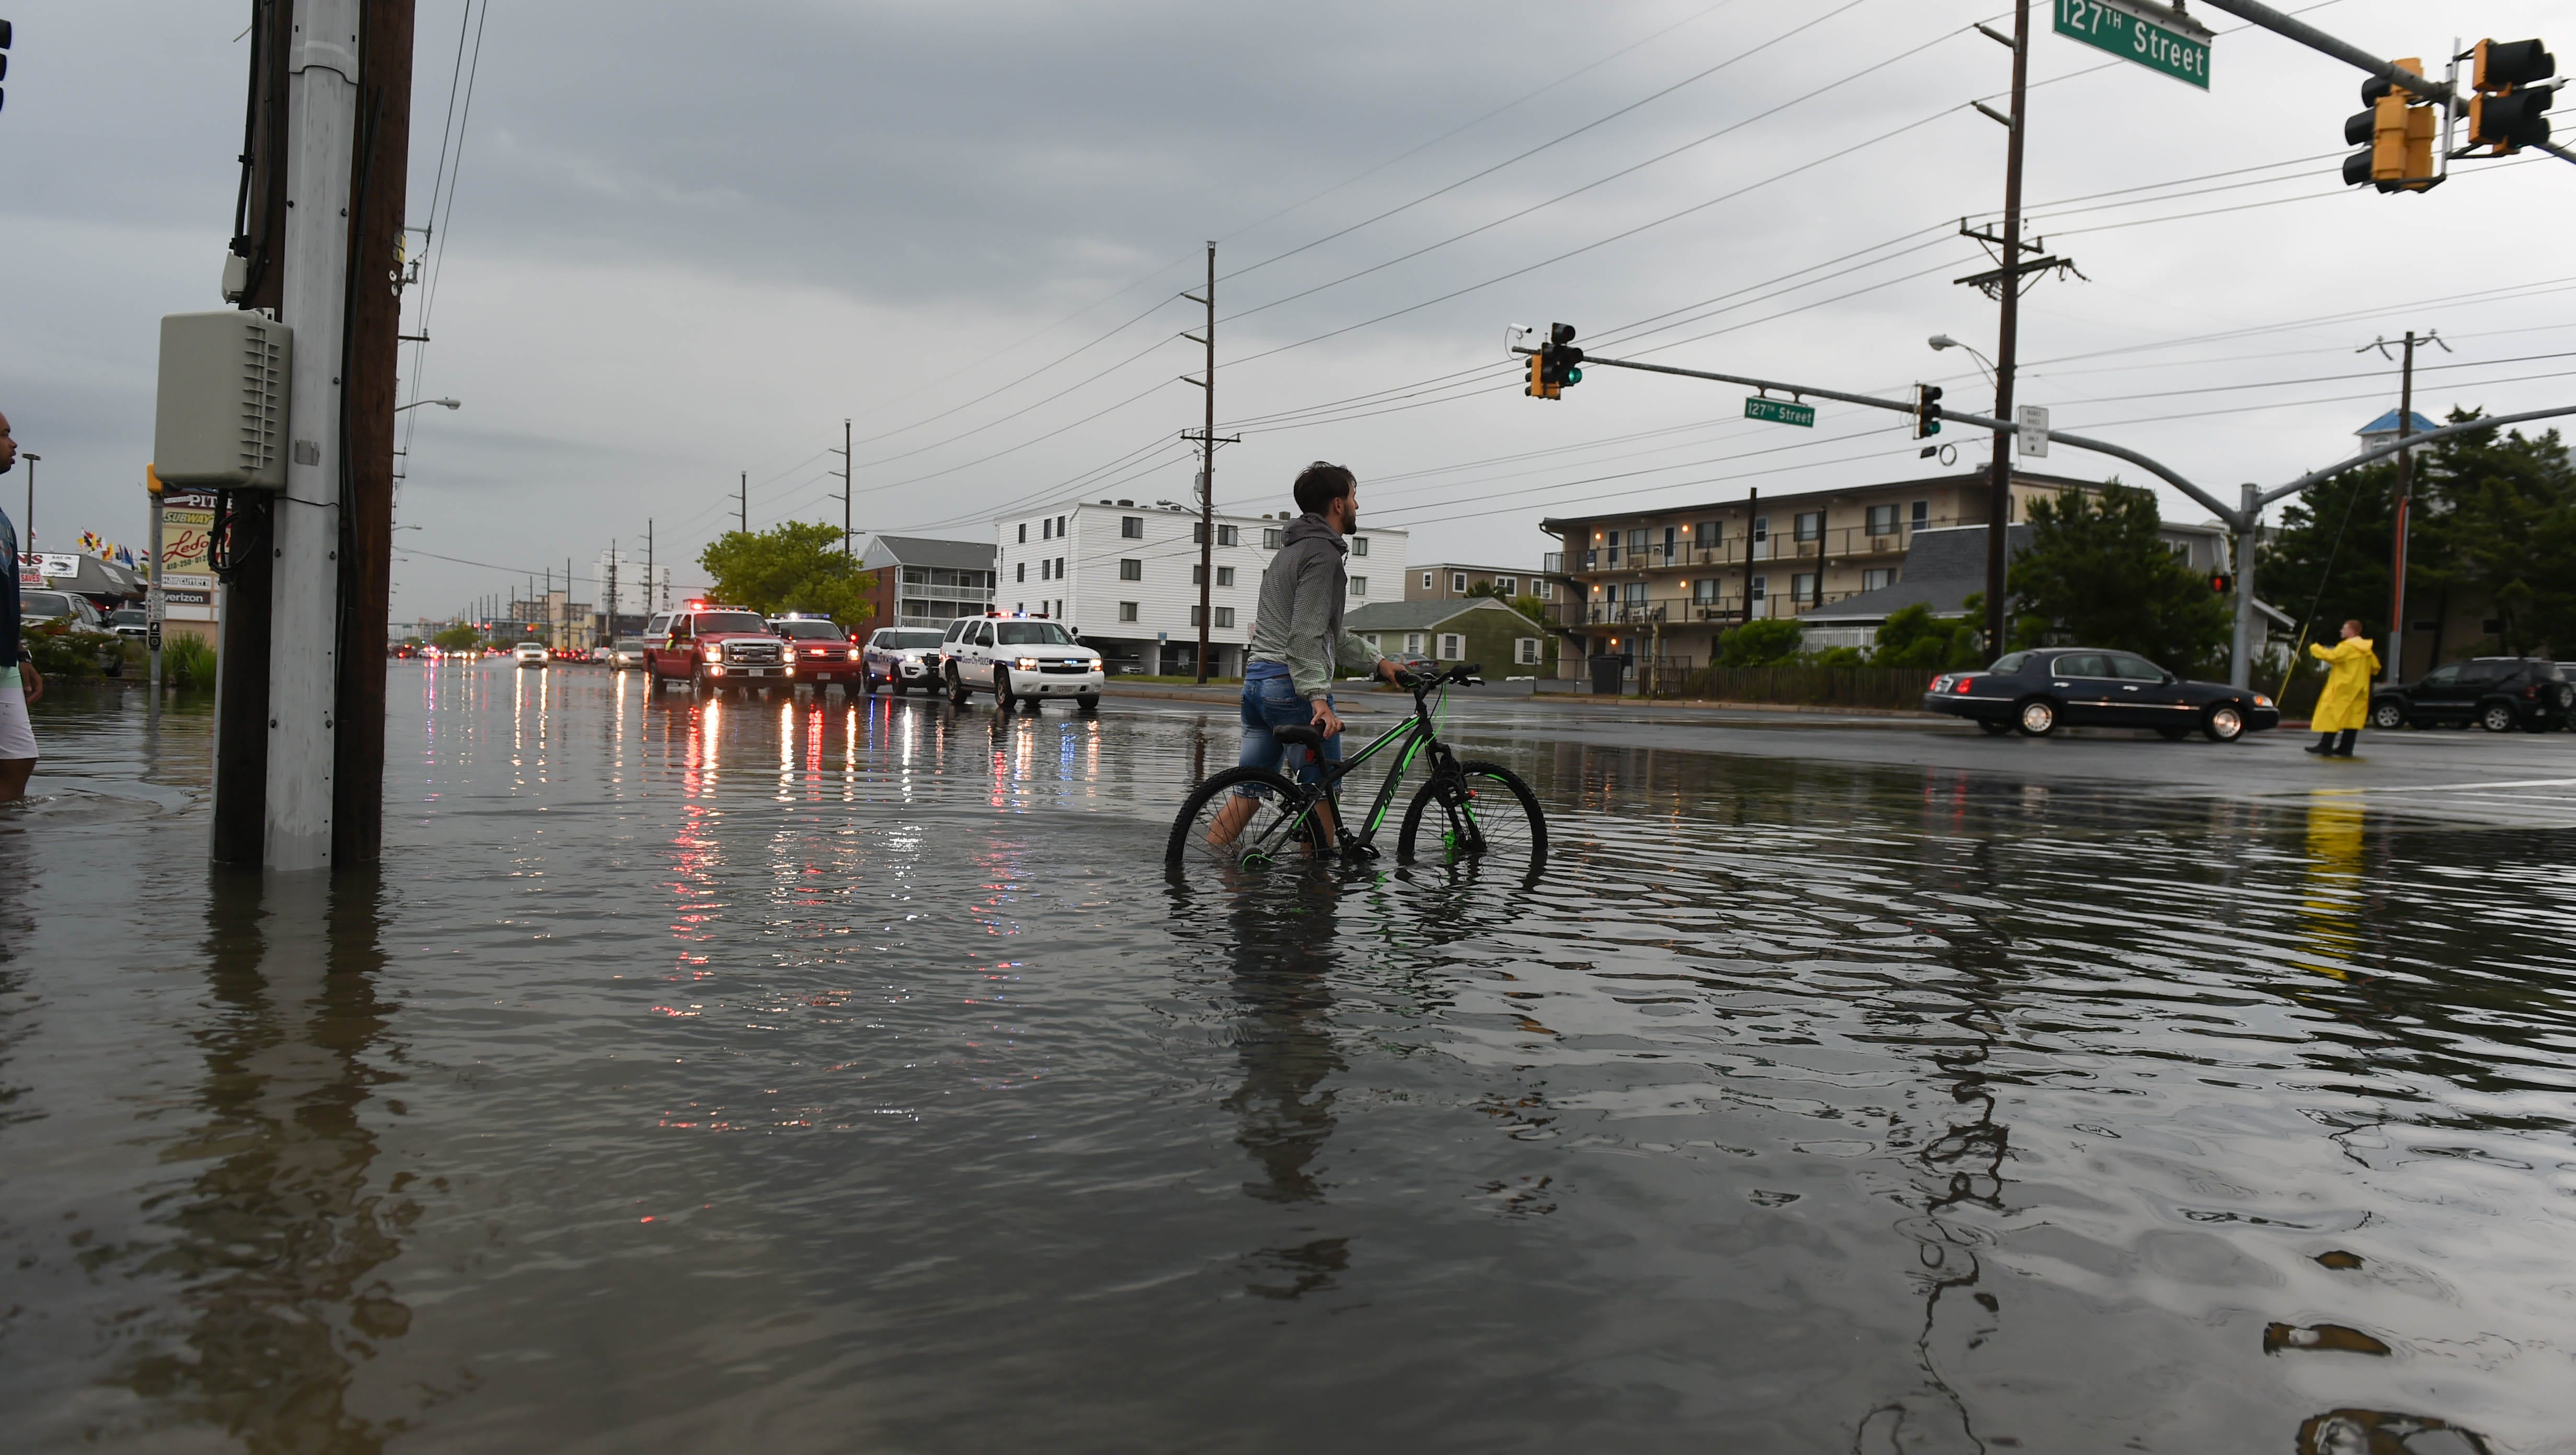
(1780,411)
(2141,31)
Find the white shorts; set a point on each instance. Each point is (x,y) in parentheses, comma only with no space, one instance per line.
(17,740)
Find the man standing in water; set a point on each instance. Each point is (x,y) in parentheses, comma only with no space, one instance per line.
(1297,639)
(20,682)
(2345,704)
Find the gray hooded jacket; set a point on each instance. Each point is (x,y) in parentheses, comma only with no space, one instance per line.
(1299,621)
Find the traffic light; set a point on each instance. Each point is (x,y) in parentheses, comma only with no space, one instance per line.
(1554,365)
(2395,134)
(2221,583)
(1927,410)
(2506,112)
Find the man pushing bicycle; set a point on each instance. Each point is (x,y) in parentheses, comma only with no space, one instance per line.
(1297,639)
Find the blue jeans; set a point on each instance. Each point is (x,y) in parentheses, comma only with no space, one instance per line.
(1272,702)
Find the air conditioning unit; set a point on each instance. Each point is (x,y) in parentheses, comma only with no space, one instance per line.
(220,417)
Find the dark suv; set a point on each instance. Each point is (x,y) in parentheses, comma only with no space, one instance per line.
(2495,693)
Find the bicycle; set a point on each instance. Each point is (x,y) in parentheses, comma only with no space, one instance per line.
(1467,812)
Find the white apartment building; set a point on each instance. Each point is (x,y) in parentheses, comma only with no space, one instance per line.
(1126,576)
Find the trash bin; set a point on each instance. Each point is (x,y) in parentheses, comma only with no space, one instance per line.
(1607,669)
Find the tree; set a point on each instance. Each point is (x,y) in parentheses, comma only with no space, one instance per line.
(456,638)
(2500,522)
(790,567)
(1913,637)
(2097,573)
(2328,562)
(1765,643)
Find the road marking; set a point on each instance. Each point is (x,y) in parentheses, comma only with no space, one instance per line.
(2456,787)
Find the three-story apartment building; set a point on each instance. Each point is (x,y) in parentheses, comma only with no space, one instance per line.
(1664,582)
(1126,576)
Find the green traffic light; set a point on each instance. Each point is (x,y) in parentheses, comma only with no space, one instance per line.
(1574,376)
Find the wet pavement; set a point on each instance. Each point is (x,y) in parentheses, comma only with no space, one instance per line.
(851,1078)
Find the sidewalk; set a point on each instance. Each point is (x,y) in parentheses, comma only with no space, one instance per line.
(1368,700)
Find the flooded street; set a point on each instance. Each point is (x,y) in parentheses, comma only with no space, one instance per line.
(849,1077)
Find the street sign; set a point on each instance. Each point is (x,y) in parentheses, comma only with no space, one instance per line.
(1780,411)
(2159,39)
(2034,431)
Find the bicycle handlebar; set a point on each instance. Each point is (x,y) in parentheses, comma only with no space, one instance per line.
(1421,682)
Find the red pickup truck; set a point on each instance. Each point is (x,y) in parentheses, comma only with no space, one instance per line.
(719,649)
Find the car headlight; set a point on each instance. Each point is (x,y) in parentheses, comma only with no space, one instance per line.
(715,654)
(2262,701)
(1026,664)
(853,654)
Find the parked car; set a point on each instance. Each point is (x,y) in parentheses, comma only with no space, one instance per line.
(1018,657)
(529,654)
(2035,693)
(627,654)
(902,658)
(824,653)
(2495,693)
(59,605)
(719,649)
(130,621)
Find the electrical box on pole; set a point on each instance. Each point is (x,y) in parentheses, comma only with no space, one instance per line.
(219,416)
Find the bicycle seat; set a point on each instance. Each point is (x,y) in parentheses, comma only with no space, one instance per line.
(1299,737)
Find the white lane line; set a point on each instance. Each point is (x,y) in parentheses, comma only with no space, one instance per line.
(2453,787)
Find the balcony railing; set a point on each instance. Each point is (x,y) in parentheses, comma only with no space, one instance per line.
(1842,542)
(1701,611)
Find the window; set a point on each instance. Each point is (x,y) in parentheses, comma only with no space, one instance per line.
(1059,526)
(1878,579)
(1811,525)
(1359,586)
(1453,647)
(1672,541)
(1919,514)
(1044,566)
(2082,664)
(1704,591)
(1225,617)
(1046,530)
(1457,583)
(1761,584)
(1761,529)
(1227,535)
(1273,538)
(1611,555)
(1712,534)
(1359,545)
(1591,559)
(1882,520)
(1198,574)
(1413,641)
(1637,541)
(1506,586)
(2131,668)
(1225,575)
(1428,577)
(1059,568)
(1131,527)
(1545,588)
(1126,611)
(1194,616)
(1525,651)
(1198,532)
(1635,594)
(1371,639)
(1024,533)
(1131,570)
(1020,571)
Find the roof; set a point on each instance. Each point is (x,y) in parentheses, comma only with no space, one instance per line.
(1478,570)
(927,551)
(1808,497)
(1941,568)
(2386,425)
(1416,616)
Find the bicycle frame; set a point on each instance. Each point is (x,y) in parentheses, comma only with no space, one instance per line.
(1414,733)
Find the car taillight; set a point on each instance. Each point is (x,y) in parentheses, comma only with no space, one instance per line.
(1963,684)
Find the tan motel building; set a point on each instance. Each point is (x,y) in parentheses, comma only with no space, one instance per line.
(1662,583)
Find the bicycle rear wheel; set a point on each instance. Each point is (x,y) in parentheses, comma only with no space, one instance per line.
(1487,816)
(1215,830)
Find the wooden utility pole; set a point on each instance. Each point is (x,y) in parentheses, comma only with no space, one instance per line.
(742,505)
(1208,441)
(648,565)
(1752,507)
(846,548)
(2007,344)
(2405,498)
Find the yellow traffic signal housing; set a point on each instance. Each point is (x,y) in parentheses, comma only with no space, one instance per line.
(2399,129)
(2416,165)
(1540,386)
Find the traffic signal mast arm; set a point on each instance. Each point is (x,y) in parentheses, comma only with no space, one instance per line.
(2291,28)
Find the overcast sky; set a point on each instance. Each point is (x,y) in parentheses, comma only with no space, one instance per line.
(687,241)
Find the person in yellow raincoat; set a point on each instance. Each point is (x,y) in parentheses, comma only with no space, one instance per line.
(2345,704)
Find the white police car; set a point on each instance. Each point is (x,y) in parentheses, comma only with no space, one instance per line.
(1018,658)
(903,658)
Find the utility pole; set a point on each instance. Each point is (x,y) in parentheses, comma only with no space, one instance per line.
(648,565)
(1752,505)
(612,593)
(1208,442)
(2405,497)
(1999,490)
(845,487)
(30,521)
(567,606)
(743,503)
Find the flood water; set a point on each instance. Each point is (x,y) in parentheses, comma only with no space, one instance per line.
(849,1078)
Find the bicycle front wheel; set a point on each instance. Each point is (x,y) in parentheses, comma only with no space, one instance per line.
(1219,828)
(1485,816)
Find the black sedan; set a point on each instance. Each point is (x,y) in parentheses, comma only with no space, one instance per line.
(2036,693)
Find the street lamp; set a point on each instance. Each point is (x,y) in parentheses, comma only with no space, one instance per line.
(1940,341)
(417,403)
(30,546)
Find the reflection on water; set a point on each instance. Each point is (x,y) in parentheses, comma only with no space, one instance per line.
(846,1076)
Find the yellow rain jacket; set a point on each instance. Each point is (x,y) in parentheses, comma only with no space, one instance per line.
(2346,700)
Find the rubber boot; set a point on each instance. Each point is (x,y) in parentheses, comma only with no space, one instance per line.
(2323,747)
(2344,741)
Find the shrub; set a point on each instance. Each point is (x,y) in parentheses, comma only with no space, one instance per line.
(187,662)
(62,650)
(1767,643)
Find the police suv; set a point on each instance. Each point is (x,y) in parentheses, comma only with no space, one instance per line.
(1018,657)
